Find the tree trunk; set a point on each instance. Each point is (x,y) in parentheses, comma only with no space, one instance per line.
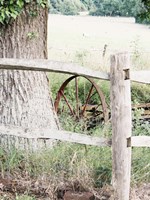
(25,98)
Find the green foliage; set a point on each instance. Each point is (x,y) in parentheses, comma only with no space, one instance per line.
(102,176)
(116,8)
(130,8)
(140,9)
(55,6)
(106,8)
(10,160)
(88,4)
(140,165)
(10,9)
(66,162)
(80,57)
(144,15)
(140,93)
(66,7)
(24,197)
(17,197)
(140,127)
(32,35)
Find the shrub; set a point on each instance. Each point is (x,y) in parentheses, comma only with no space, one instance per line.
(68,8)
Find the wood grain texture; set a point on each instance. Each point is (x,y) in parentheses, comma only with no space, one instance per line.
(51,66)
(121,124)
(54,134)
(139,141)
(25,97)
(68,68)
(140,76)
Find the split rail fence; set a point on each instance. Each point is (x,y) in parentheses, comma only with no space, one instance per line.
(122,140)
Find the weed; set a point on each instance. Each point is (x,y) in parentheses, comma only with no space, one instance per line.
(4,197)
(140,93)
(32,35)
(136,48)
(140,165)
(24,197)
(80,57)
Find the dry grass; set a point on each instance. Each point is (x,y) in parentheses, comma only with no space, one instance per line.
(83,38)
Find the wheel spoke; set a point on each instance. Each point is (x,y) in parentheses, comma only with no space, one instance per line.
(98,106)
(93,94)
(86,102)
(69,106)
(77,97)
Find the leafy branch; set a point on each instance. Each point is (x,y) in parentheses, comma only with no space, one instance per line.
(10,9)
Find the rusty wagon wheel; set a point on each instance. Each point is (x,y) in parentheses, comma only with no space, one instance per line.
(88,104)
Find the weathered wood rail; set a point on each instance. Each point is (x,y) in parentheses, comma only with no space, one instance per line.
(68,68)
(120,77)
(54,134)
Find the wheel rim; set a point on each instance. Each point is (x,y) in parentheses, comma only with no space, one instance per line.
(76,111)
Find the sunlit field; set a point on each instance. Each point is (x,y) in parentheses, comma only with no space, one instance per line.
(90,41)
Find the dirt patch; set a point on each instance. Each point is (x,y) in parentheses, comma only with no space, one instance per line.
(42,190)
(141,193)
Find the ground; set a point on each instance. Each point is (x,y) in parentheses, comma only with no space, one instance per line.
(41,190)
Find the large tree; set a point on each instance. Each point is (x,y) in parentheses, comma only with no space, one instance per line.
(25,99)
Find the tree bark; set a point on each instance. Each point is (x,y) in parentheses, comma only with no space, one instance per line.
(25,98)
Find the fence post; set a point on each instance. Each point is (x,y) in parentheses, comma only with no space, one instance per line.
(121,124)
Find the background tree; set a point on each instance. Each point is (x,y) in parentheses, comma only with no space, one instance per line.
(66,7)
(140,9)
(70,7)
(89,4)
(117,8)
(25,99)
(144,15)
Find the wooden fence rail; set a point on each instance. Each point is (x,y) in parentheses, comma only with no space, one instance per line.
(51,66)
(68,136)
(140,76)
(120,77)
(68,68)
(55,134)
(139,141)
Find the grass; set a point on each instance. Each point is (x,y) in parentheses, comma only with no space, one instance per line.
(65,163)
(17,197)
(69,163)
(140,165)
(140,93)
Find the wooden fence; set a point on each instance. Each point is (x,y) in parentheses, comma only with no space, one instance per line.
(122,140)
